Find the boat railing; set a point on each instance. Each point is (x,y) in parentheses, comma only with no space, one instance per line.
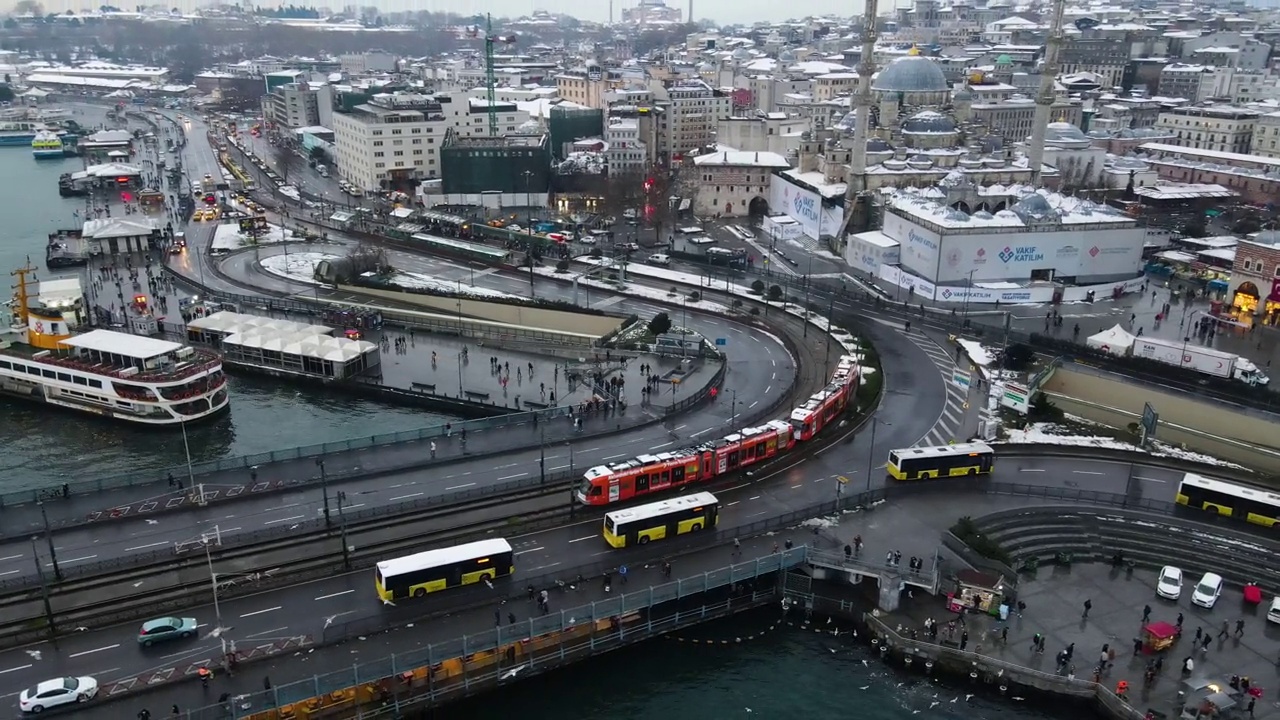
(209,361)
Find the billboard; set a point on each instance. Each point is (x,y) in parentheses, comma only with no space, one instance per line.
(868,251)
(919,246)
(817,219)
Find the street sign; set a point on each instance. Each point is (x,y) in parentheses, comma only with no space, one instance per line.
(1150,418)
(843,480)
(961,378)
(720,342)
(1016,397)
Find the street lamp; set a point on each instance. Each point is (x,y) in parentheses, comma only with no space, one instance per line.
(208,540)
(324,490)
(186,446)
(48,536)
(964,311)
(342,523)
(871,450)
(542,455)
(44,587)
(528,226)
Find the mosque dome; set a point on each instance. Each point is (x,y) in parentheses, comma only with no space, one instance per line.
(962,93)
(1034,207)
(742,54)
(706,68)
(913,73)
(929,122)
(786,57)
(1064,133)
(877,145)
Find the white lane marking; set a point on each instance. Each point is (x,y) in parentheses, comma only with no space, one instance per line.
(754,497)
(533,549)
(766,390)
(588,537)
(513,477)
(90,652)
(259,612)
(15,669)
(590,449)
(9,572)
(144,547)
(405,497)
(1031,470)
(753,404)
(268,632)
(334,595)
(11,557)
(700,432)
(64,562)
(459,487)
(655,447)
(611,457)
(544,567)
(1086,472)
(735,502)
(558,467)
(273,522)
(1147,479)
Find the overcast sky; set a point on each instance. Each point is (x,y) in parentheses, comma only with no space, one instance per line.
(721,11)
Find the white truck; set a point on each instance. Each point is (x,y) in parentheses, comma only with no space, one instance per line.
(1201,359)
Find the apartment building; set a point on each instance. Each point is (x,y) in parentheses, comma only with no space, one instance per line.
(766,132)
(1220,128)
(627,152)
(1099,55)
(1266,136)
(694,110)
(1195,83)
(292,106)
(394,139)
(1013,119)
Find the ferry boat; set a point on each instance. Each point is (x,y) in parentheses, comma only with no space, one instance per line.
(47,146)
(20,132)
(134,378)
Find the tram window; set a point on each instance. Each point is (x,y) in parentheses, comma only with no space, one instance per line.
(596,490)
(666,477)
(642,483)
(4,364)
(95,383)
(677,474)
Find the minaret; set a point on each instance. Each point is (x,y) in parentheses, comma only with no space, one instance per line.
(857,175)
(1044,101)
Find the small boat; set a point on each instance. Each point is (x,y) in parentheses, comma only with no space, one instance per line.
(46,145)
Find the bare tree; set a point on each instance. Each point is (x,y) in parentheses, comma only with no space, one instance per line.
(286,159)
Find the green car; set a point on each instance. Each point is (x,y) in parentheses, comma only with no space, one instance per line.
(166,628)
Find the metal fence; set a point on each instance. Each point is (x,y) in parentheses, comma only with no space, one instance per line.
(553,433)
(566,622)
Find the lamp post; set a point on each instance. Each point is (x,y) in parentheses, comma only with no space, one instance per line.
(48,536)
(871,450)
(186,446)
(805,332)
(342,524)
(826,359)
(542,455)
(528,226)
(964,311)
(324,490)
(44,587)
(209,540)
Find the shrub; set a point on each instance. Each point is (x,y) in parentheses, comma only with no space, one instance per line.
(660,323)
(967,531)
(775,292)
(757,287)
(695,296)
(562,266)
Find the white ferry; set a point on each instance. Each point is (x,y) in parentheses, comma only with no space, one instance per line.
(117,375)
(47,145)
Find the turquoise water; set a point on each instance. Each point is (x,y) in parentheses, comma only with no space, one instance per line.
(45,445)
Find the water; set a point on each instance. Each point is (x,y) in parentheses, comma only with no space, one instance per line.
(44,445)
(785,674)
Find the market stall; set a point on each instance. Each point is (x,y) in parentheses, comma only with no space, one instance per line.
(978,592)
(1158,637)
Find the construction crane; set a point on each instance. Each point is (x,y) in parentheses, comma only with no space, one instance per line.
(489,80)
(1046,96)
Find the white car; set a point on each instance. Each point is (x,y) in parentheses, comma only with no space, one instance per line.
(1273,612)
(660,259)
(1207,590)
(59,691)
(1169,584)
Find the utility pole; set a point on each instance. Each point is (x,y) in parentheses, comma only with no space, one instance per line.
(342,524)
(48,536)
(324,489)
(44,588)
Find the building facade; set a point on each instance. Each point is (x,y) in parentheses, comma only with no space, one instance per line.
(734,184)
(693,112)
(1217,128)
(292,106)
(1255,277)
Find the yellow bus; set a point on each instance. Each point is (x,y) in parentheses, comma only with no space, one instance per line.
(921,463)
(1226,498)
(433,570)
(654,521)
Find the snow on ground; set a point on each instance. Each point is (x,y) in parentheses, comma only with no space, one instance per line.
(299,267)
(227,236)
(418,281)
(979,355)
(1052,434)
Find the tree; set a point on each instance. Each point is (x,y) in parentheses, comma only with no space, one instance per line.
(757,287)
(775,292)
(622,192)
(28,7)
(319,154)
(660,324)
(6,93)
(1018,357)
(286,160)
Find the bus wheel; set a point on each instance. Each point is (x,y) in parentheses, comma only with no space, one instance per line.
(695,527)
(973,471)
(419,592)
(644,539)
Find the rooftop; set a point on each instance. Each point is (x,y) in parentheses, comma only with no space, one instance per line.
(742,158)
(114,343)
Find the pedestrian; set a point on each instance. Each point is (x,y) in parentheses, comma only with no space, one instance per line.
(1004,635)
(1252,701)
(1035,641)
(511,618)
(1204,644)
(433,449)
(622,573)
(737,546)
(1239,628)
(1071,650)
(1088,605)
(1199,633)
(848,552)
(266,683)
(964,639)
(1137,646)
(1146,613)
(497,617)
(1224,632)
(1179,621)
(174,711)
(144,714)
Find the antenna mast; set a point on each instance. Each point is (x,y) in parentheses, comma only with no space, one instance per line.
(1044,100)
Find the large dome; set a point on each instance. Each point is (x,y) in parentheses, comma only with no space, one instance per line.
(913,73)
(1064,134)
(929,122)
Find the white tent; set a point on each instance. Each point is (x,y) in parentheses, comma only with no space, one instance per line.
(1116,341)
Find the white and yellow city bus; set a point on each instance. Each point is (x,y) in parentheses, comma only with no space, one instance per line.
(665,518)
(1251,504)
(921,463)
(433,570)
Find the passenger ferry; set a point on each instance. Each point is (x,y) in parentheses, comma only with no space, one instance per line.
(20,132)
(124,377)
(47,146)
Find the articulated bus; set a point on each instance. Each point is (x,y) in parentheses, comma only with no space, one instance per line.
(943,461)
(1226,498)
(425,572)
(677,516)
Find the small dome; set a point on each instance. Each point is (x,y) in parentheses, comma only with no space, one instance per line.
(1034,207)
(929,122)
(742,54)
(1064,132)
(706,67)
(1004,60)
(913,73)
(787,57)
(877,145)
(962,93)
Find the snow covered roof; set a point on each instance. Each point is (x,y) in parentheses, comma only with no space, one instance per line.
(1033,209)
(742,158)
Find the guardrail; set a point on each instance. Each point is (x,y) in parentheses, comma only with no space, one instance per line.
(1134,458)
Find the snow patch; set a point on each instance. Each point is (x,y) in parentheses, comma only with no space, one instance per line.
(980,355)
(228,237)
(1042,433)
(418,281)
(299,267)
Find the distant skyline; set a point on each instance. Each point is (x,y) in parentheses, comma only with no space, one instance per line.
(718,11)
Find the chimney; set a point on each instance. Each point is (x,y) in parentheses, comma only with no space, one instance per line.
(757,157)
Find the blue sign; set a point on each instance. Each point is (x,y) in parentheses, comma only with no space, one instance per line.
(806,208)
(1026,253)
(918,239)
(722,341)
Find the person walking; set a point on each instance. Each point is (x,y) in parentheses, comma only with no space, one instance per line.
(622,573)
(737,546)
(433,449)
(1146,613)
(1239,628)
(175,712)
(1088,605)
(144,714)
(1225,631)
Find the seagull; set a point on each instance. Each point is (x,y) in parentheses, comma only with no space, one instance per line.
(934,704)
(864,687)
(833,650)
(329,620)
(388,602)
(966,697)
(153,522)
(954,699)
(488,584)
(513,672)
(865,663)
(901,684)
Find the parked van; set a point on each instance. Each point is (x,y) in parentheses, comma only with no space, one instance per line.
(660,259)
